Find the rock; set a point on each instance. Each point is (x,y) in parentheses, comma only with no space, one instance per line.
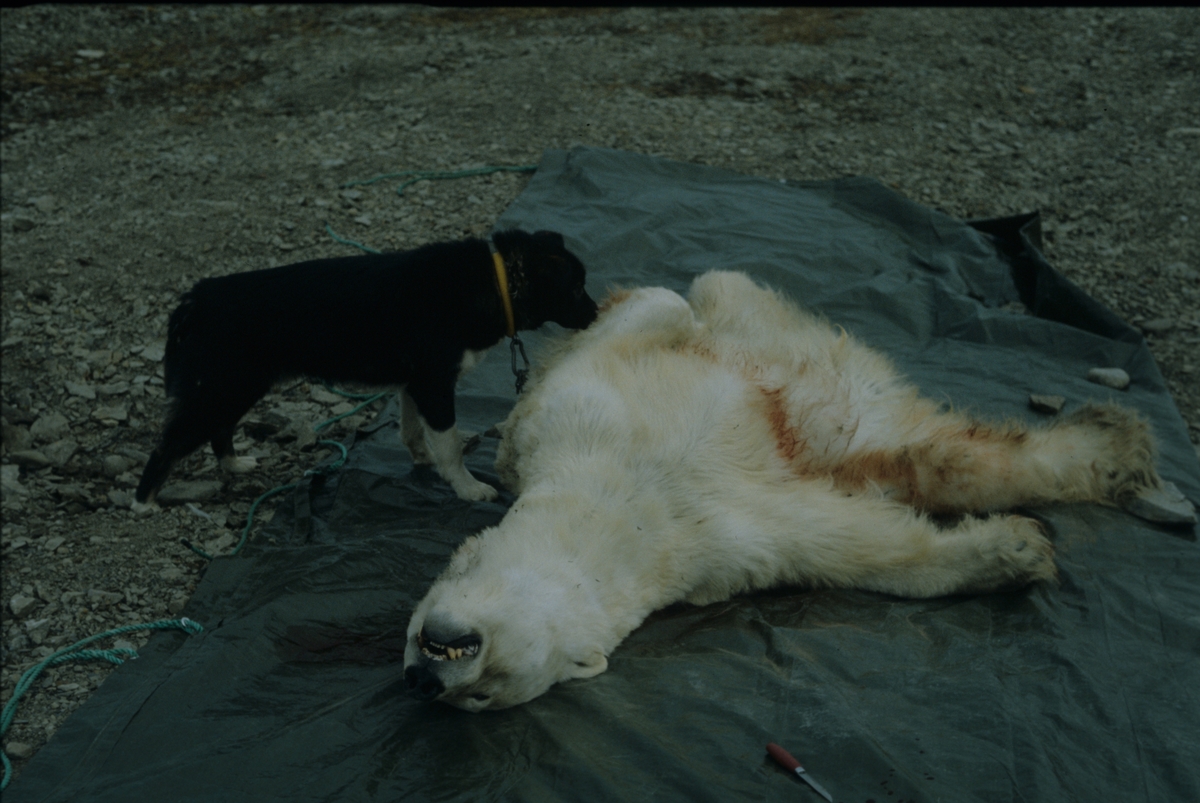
(83,391)
(60,451)
(21,224)
(10,480)
(171,574)
(50,427)
(1109,377)
(190,491)
(121,499)
(1158,326)
(45,204)
(220,544)
(36,630)
(305,436)
(29,458)
(16,437)
(18,750)
(261,427)
(116,412)
(320,394)
(18,415)
(134,454)
(114,465)
(51,544)
(72,491)
(20,604)
(177,604)
(105,598)
(1166,505)
(154,352)
(1181,270)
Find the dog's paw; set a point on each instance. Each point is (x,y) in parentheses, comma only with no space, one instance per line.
(476,491)
(238,465)
(143,509)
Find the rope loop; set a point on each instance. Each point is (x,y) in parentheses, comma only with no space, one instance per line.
(76,652)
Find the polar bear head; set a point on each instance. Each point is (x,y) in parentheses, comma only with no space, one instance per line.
(492,634)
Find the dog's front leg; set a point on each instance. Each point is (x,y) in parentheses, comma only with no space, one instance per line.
(412,430)
(446,447)
(432,405)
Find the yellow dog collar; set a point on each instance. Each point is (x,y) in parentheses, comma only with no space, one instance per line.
(502,283)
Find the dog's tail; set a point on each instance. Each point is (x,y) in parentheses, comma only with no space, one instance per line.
(179,329)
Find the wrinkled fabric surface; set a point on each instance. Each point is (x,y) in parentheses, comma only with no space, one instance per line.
(1077,692)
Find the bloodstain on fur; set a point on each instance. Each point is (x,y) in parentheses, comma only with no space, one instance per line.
(788,442)
(615,296)
(895,471)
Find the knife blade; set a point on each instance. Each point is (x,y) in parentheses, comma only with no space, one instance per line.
(785,760)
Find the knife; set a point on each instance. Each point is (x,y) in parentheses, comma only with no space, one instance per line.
(785,760)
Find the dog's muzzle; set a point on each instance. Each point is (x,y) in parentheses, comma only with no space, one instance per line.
(422,684)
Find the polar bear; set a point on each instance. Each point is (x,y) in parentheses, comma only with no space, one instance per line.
(692,450)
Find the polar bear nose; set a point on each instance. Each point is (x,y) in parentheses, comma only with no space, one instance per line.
(421,683)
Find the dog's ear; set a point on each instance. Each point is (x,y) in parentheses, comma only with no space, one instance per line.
(553,236)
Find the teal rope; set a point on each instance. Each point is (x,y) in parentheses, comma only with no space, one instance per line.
(115,655)
(334,466)
(344,241)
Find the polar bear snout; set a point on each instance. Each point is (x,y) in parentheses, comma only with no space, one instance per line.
(437,649)
(422,684)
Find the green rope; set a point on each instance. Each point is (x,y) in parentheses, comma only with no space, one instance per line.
(334,466)
(344,241)
(115,655)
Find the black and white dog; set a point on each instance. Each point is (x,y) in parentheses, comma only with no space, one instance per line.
(414,320)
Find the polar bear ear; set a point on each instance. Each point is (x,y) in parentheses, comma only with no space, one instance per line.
(587,665)
(464,557)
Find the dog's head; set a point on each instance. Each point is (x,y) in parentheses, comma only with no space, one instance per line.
(493,639)
(546,281)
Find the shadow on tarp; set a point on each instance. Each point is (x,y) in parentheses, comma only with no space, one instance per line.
(1078,692)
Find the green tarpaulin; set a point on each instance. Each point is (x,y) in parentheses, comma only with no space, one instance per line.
(1077,692)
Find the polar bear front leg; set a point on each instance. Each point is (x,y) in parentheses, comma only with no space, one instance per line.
(807,533)
(893,549)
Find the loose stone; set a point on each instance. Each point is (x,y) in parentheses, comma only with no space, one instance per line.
(1109,377)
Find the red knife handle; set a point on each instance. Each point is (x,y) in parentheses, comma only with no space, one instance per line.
(784,758)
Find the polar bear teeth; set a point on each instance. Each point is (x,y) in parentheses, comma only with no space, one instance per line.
(443,652)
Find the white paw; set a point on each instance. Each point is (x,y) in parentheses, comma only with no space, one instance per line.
(144,509)
(475,491)
(1024,552)
(238,465)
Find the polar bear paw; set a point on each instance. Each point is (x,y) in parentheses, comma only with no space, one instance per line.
(1012,551)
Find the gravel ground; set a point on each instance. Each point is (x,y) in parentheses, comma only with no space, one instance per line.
(146,147)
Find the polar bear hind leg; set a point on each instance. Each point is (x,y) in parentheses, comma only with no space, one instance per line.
(1100,453)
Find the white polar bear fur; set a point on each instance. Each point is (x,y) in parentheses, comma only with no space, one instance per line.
(692,450)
